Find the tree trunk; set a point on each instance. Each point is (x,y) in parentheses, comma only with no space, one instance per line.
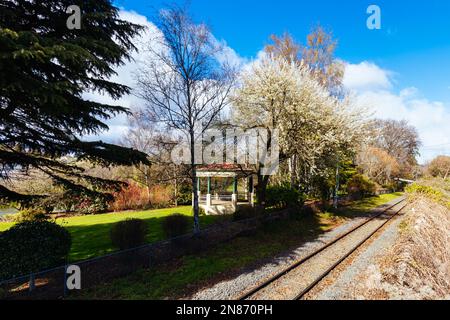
(194,185)
(336,189)
(176,192)
(446,174)
(261,190)
(291,164)
(147,182)
(196,207)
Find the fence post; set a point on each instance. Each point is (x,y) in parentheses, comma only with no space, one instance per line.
(32,284)
(65,280)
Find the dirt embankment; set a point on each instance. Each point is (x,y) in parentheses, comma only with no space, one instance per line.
(418,265)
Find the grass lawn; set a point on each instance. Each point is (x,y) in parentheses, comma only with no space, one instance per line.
(90,234)
(225,260)
(367,204)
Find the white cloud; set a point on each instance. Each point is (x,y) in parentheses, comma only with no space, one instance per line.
(126,72)
(372,85)
(366,76)
(229,56)
(431,118)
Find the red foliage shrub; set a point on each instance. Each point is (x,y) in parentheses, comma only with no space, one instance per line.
(136,197)
(161,196)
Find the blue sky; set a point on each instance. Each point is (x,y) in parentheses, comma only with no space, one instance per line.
(405,65)
(414,41)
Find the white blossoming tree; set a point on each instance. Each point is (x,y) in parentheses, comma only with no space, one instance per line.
(315,129)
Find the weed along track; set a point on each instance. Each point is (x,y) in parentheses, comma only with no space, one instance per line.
(295,281)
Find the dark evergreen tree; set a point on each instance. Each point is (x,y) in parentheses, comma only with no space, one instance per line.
(44,70)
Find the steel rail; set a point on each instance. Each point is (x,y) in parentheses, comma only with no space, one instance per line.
(296,264)
(337,263)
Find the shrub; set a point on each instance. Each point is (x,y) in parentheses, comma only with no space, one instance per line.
(245,212)
(176,225)
(136,197)
(427,191)
(360,186)
(283,196)
(30,215)
(89,205)
(31,246)
(184,195)
(131,197)
(393,186)
(128,233)
(74,202)
(3,293)
(161,196)
(64,201)
(322,187)
(439,167)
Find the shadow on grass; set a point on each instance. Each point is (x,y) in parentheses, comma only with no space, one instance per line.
(272,243)
(90,241)
(218,263)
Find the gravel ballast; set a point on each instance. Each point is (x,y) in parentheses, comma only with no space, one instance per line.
(231,289)
(343,284)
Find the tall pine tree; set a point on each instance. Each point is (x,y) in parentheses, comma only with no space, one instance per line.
(44,70)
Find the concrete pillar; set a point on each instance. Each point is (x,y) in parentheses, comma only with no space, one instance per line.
(216,194)
(251,196)
(252,199)
(246,187)
(234,201)
(234,196)
(208,193)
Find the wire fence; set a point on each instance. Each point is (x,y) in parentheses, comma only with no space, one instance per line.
(52,283)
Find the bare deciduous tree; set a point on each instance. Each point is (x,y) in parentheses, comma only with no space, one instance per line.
(378,165)
(146,136)
(283,47)
(400,140)
(185,82)
(439,167)
(318,54)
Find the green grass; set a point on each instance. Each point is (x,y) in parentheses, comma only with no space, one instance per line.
(90,234)
(367,204)
(174,278)
(5,226)
(225,260)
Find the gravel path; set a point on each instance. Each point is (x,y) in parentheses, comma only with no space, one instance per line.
(249,278)
(343,283)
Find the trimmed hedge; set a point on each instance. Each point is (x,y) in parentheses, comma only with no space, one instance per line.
(129,233)
(32,246)
(360,186)
(245,212)
(176,225)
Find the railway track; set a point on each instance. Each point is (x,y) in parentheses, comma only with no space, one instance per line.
(299,278)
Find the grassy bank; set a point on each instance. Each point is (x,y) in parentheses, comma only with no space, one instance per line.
(227,260)
(417,265)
